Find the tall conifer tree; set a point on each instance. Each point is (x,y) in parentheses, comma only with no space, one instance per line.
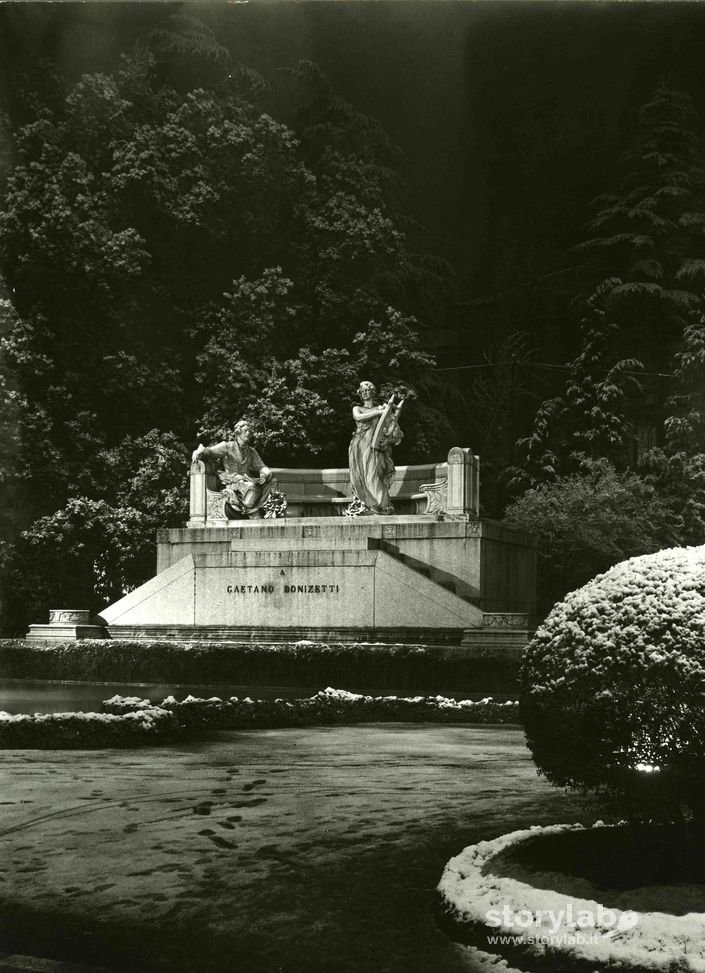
(643,263)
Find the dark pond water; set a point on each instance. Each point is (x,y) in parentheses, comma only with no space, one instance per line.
(44,696)
(40,696)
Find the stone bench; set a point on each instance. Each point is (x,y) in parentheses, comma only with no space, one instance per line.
(449,489)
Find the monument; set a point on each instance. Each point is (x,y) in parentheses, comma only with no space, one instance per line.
(367,552)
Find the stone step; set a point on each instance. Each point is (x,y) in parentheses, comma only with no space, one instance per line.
(433,574)
(269,635)
(493,643)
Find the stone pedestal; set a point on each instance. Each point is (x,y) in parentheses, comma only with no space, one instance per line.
(67,625)
(392,579)
(502,635)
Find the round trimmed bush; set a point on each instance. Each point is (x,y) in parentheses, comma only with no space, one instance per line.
(613,687)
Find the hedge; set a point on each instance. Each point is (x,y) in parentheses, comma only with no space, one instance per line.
(326,707)
(129,721)
(355,666)
(68,731)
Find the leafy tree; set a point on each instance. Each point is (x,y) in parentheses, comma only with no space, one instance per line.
(90,552)
(133,211)
(299,404)
(107,547)
(350,152)
(685,427)
(177,258)
(642,266)
(648,235)
(187,52)
(590,419)
(677,469)
(588,521)
(11,407)
(146,473)
(679,480)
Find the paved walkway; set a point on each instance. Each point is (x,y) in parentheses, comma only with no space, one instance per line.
(278,851)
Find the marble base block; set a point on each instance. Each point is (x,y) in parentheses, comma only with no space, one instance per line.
(387,578)
(67,625)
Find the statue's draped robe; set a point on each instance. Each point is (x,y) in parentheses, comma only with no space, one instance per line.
(242,466)
(372,470)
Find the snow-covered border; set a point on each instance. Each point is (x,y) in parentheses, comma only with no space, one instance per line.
(55,731)
(470,889)
(125,721)
(328,706)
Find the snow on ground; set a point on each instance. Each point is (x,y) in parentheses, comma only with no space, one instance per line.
(299,850)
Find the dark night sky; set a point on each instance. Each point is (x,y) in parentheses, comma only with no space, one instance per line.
(509,113)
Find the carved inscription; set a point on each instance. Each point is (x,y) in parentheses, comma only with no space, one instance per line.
(287,589)
(250,589)
(310,589)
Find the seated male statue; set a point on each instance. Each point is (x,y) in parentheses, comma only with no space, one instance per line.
(246,481)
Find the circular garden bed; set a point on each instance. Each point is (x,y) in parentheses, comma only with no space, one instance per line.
(567,898)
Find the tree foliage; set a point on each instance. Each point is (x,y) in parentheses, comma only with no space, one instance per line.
(641,266)
(177,257)
(677,468)
(648,235)
(590,419)
(586,522)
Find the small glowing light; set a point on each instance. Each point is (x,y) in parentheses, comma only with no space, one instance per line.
(648,768)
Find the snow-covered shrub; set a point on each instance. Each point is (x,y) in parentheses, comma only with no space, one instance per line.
(327,707)
(613,686)
(127,721)
(133,726)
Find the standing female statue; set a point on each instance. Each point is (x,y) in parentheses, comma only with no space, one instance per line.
(370,452)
